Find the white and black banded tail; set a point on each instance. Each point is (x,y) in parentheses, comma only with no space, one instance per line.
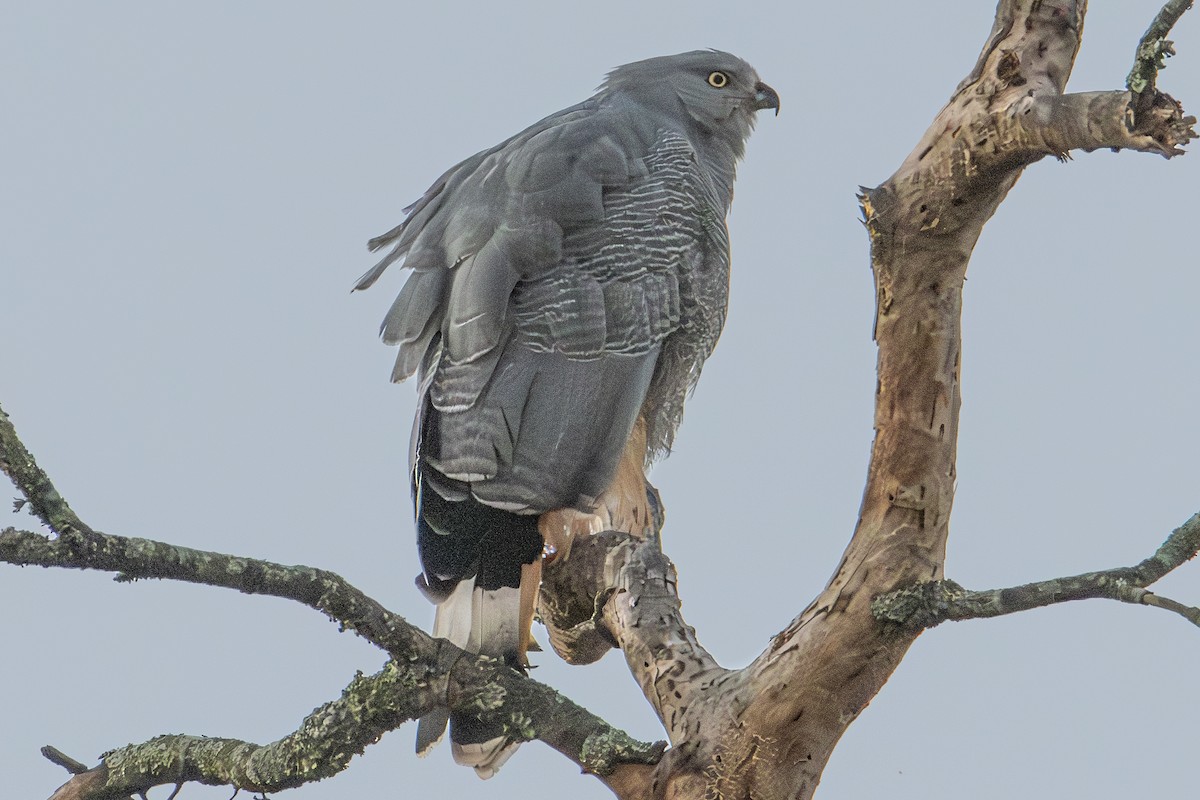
(482,568)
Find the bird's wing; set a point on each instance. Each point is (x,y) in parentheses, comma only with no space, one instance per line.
(546,279)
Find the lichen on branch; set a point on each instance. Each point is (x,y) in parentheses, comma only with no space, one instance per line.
(322,746)
(934,602)
(1154,48)
(423,672)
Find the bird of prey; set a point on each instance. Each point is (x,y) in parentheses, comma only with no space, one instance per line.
(566,288)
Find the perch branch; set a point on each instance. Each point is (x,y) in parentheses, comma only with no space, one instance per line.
(56,756)
(644,614)
(620,591)
(928,604)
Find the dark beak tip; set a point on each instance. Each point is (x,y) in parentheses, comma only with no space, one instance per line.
(766,97)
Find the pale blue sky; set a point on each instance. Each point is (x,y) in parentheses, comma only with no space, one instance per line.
(187,193)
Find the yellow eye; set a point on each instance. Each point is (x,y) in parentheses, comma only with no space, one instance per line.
(718,79)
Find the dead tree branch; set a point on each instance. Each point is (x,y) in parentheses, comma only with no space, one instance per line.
(328,738)
(424,672)
(322,746)
(1154,48)
(928,604)
(56,756)
(619,591)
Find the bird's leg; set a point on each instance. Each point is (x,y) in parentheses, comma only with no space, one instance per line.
(531,584)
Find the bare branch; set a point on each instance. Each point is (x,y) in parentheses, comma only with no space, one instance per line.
(322,746)
(44,500)
(1057,124)
(1154,48)
(135,558)
(1190,613)
(618,590)
(425,672)
(1148,107)
(674,670)
(334,733)
(928,604)
(56,756)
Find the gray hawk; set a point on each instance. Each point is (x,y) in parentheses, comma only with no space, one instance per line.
(566,288)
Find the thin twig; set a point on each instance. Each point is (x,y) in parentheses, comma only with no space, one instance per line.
(1190,613)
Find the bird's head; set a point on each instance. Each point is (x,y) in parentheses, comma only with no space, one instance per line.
(718,90)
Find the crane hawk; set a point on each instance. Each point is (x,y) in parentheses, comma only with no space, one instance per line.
(566,288)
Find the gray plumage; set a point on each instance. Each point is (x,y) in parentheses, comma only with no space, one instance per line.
(565,281)
(571,275)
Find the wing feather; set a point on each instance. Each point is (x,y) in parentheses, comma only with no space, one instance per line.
(548,276)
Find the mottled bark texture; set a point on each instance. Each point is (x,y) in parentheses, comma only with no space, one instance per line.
(765,731)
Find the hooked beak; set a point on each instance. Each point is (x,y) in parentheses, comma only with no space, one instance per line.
(765,97)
